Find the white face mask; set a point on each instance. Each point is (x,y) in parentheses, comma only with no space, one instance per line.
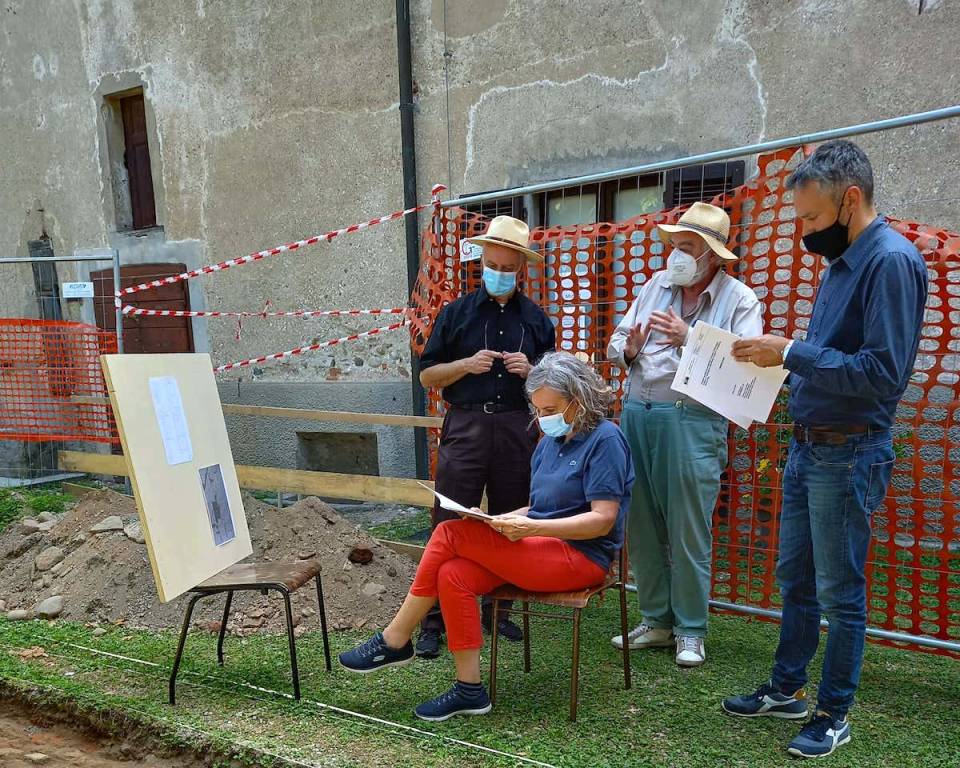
(684,269)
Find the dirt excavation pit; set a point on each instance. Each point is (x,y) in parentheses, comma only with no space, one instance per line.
(91,565)
(26,742)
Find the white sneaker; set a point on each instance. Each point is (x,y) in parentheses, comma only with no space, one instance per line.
(691,651)
(644,636)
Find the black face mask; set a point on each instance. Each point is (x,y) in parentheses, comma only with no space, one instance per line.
(832,241)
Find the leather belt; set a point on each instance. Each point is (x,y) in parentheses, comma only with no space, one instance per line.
(491,407)
(835,434)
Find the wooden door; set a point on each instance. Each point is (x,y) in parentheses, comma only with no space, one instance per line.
(143,334)
(136,157)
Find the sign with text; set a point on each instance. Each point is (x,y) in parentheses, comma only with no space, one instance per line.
(76,290)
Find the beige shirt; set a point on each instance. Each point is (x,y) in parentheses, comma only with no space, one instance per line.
(726,303)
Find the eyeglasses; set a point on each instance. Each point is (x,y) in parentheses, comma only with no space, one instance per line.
(486,341)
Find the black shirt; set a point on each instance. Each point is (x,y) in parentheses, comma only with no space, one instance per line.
(478,321)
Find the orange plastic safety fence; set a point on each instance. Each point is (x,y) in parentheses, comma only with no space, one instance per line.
(591,274)
(44,366)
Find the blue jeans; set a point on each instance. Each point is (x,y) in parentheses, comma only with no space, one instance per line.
(829,493)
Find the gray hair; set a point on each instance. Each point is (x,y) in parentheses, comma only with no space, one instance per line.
(574,380)
(835,166)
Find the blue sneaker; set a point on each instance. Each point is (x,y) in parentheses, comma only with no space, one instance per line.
(768,701)
(459,700)
(376,654)
(820,737)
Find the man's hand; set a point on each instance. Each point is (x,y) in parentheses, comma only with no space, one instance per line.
(514,527)
(670,325)
(517,363)
(635,340)
(764,351)
(481,362)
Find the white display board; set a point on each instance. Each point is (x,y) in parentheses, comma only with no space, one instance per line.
(178,454)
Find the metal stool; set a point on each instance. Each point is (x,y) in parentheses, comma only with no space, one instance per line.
(285,578)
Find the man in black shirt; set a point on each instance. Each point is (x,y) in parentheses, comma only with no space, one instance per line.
(479,353)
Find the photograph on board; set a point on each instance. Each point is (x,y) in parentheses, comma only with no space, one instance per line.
(218,505)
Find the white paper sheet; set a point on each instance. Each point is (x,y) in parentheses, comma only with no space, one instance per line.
(453,506)
(742,392)
(171,418)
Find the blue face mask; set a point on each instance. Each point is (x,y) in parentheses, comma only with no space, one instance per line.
(499,283)
(554,425)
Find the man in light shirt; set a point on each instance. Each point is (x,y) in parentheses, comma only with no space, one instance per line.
(679,446)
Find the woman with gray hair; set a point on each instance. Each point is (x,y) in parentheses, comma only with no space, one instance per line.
(566,539)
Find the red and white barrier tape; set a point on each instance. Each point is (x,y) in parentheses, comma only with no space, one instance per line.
(131,310)
(309,348)
(327,236)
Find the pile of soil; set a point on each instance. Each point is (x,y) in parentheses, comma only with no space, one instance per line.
(105,577)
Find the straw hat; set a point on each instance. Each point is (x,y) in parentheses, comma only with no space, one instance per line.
(708,221)
(510,232)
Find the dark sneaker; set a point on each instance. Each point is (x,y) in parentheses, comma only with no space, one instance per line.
(456,701)
(428,644)
(768,701)
(820,737)
(376,654)
(505,628)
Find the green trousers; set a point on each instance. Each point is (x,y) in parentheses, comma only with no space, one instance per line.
(679,451)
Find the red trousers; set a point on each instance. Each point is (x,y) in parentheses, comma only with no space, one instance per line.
(467,558)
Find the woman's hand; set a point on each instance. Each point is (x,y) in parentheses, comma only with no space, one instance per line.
(514,527)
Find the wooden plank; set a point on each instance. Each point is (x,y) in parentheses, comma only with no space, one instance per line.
(390,419)
(75,490)
(183,504)
(307,414)
(79,491)
(330,484)
(413,551)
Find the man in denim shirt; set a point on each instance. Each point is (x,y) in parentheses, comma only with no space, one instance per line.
(846,380)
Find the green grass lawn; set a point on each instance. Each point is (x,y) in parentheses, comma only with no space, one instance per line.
(410,528)
(908,711)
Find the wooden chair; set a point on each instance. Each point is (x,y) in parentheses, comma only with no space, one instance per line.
(576,601)
(284,578)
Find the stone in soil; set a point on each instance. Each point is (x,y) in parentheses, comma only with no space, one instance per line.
(47,517)
(134,532)
(360,555)
(3,605)
(48,558)
(99,632)
(37,758)
(112,523)
(372,589)
(18,615)
(51,607)
(14,545)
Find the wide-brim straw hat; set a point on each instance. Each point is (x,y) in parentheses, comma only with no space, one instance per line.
(509,232)
(708,221)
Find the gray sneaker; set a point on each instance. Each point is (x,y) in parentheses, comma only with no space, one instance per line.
(644,636)
(691,651)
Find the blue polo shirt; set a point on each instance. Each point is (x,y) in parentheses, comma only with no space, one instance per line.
(567,475)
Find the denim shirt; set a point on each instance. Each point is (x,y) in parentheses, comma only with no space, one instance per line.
(863,335)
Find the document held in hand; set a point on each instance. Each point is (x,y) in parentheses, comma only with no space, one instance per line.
(742,392)
(455,507)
